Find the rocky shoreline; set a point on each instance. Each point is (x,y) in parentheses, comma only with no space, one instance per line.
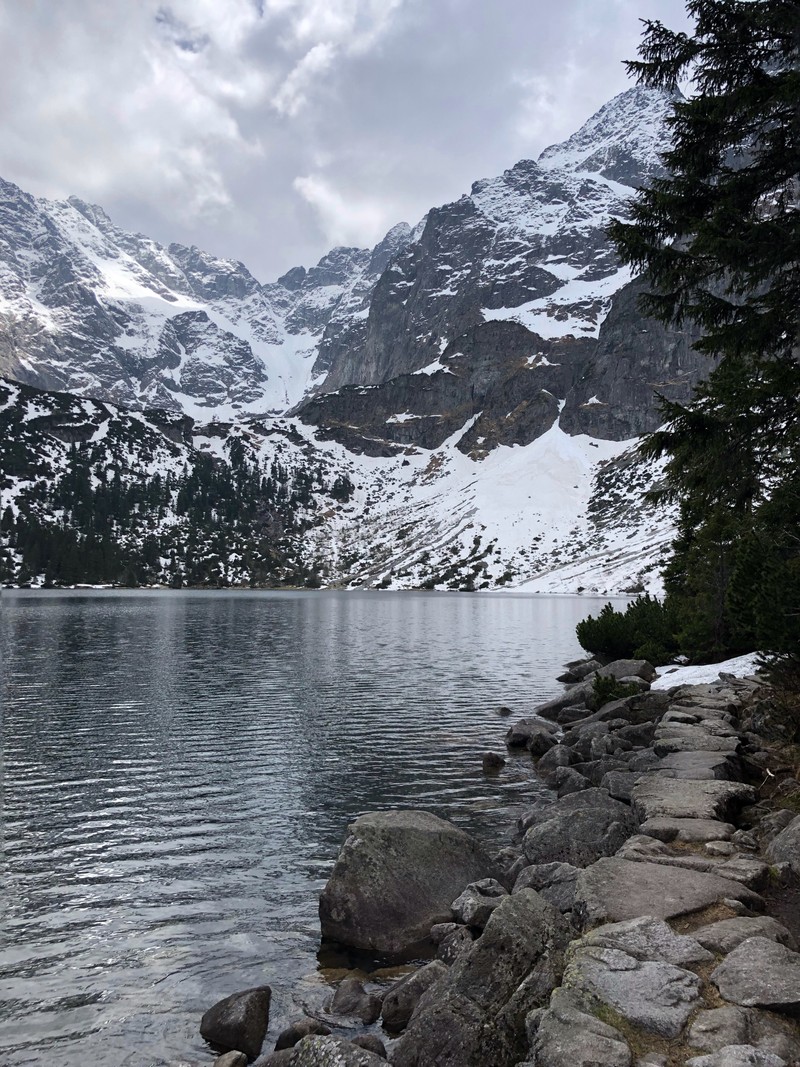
(627,926)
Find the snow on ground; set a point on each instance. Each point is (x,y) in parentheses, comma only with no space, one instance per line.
(741,666)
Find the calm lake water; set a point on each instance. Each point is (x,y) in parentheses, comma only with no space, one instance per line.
(179,772)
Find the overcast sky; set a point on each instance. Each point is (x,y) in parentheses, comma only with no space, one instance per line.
(270,130)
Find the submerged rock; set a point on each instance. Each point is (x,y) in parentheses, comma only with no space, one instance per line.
(351,998)
(396,876)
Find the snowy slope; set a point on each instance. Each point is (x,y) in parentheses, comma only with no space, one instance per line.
(561,514)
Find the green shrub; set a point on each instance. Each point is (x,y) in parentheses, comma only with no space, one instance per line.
(607,688)
(646,626)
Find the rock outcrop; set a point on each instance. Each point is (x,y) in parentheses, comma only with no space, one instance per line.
(396,876)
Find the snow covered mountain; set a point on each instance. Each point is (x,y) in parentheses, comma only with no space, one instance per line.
(480,381)
(90,309)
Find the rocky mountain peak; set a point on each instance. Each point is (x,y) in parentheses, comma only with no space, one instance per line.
(623,141)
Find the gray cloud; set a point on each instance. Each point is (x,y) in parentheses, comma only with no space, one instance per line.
(269,130)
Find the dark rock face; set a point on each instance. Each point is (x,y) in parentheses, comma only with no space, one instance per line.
(636,359)
(475,1015)
(504,377)
(239,1022)
(396,876)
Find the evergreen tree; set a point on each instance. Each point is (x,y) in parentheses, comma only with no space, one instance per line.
(719,239)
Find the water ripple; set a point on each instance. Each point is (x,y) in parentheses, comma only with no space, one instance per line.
(179,772)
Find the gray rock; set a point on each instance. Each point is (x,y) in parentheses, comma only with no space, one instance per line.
(567,780)
(639,734)
(737,1056)
(475,1015)
(401,1000)
(474,906)
(332,1052)
(284,1058)
(693,739)
(775,1033)
(596,770)
(694,830)
(557,756)
(439,931)
(714,1029)
(614,889)
(655,797)
(396,875)
(720,848)
(785,846)
(533,734)
(720,1027)
(239,1022)
(579,829)
(454,944)
(568,1035)
(645,760)
(231,1059)
(744,839)
(351,998)
(553,881)
(629,668)
(371,1042)
(620,783)
(580,669)
(572,714)
(652,995)
(299,1029)
(647,938)
(698,765)
(760,973)
(578,694)
(771,824)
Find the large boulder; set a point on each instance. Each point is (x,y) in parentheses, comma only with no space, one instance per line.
(396,876)
(579,828)
(475,1016)
(239,1022)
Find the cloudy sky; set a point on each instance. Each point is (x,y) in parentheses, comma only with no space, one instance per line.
(271,130)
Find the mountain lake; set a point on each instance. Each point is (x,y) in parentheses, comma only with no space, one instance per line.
(180,768)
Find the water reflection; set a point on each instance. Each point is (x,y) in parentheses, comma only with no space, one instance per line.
(179,771)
